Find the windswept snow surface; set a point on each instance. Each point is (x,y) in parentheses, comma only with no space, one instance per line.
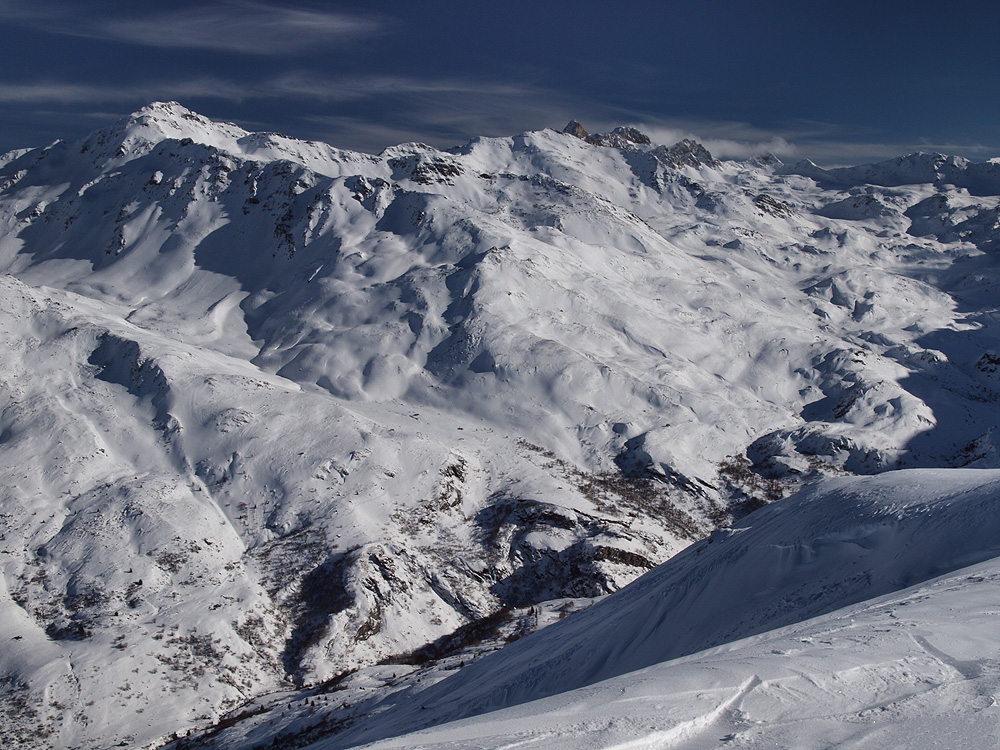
(859,672)
(917,669)
(271,411)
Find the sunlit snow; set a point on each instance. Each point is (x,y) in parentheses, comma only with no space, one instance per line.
(291,436)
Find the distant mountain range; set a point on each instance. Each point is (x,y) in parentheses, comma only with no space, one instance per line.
(283,423)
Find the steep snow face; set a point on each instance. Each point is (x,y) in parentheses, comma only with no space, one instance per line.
(335,406)
(841,542)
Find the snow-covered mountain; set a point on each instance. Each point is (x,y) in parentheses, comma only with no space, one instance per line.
(273,412)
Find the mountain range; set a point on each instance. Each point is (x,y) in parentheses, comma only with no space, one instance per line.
(290,434)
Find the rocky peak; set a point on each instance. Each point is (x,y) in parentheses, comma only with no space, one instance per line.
(631,135)
(765,160)
(620,137)
(574,128)
(169,112)
(137,133)
(687,153)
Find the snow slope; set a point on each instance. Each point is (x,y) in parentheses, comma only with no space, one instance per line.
(841,542)
(909,670)
(271,411)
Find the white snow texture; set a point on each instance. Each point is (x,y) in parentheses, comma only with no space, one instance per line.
(294,439)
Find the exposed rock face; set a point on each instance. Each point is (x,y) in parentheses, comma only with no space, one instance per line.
(620,137)
(687,153)
(576,129)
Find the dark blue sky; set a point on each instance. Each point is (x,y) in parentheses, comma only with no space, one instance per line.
(838,82)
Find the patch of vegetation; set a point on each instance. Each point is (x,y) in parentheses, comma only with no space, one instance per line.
(322,593)
(466,636)
(752,490)
(20,723)
(612,490)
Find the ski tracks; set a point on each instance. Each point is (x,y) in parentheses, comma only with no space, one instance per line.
(687,730)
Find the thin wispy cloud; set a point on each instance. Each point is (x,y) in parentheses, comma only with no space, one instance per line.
(448,111)
(289,86)
(734,145)
(46,92)
(824,143)
(240,27)
(227,26)
(393,109)
(443,119)
(351,88)
(55,92)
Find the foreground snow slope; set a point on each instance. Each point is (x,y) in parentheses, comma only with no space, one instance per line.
(821,620)
(915,669)
(272,411)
